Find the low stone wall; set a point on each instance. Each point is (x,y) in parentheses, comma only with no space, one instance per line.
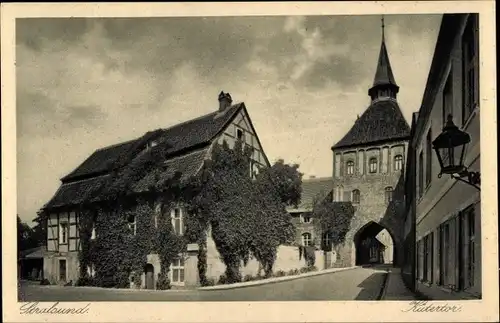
(287,259)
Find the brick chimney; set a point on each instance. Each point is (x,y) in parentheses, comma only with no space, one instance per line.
(224,101)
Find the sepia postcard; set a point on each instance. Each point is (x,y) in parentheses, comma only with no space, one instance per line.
(249,162)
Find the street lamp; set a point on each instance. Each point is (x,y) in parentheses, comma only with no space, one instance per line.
(450,147)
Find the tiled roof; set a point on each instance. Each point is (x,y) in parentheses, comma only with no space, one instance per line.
(311,189)
(179,137)
(77,192)
(187,165)
(382,120)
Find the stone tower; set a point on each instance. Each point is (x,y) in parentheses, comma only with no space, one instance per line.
(368,169)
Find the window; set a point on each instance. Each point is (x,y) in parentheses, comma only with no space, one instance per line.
(91,270)
(327,242)
(177,269)
(132,225)
(177,221)
(93,234)
(388,194)
(468,248)
(445,273)
(447,98)
(420,174)
(306,239)
(356,196)
(240,135)
(470,67)
(305,218)
(428,162)
(373,165)
(63,232)
(350,167)
(398,162)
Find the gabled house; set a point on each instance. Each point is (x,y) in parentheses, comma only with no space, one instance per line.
(184,147)
(313,190)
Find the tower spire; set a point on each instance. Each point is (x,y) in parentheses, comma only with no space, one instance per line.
(384,84)
(383,27)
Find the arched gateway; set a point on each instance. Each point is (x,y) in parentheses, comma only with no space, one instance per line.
(368,170)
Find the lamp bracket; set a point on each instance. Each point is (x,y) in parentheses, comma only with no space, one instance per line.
(471,178)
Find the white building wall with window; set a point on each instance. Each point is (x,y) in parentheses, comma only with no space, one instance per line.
(448,212)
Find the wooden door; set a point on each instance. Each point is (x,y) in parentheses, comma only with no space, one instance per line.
(150,279)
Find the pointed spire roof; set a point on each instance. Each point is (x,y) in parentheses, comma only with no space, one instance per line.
(384,74)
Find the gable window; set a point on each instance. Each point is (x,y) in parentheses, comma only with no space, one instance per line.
(350,167)
(420,174)
(240,135)
(470,67)
(305,218)
(428,162)
(177,221)
(388,194)
(398,162)
(306,239)
(356,196)
(372,165)
(63,232)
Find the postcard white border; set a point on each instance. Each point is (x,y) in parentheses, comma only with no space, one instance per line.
(337,311)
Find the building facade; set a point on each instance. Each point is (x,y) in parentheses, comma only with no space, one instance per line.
(447,212)
(186,147)
(368,170)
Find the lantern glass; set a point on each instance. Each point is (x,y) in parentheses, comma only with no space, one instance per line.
(451,146)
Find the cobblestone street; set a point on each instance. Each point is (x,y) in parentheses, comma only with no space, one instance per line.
(354,284)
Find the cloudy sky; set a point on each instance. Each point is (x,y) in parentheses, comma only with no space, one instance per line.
(86,83)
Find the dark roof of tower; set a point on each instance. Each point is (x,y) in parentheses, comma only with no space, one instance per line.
(384,75)
(382,121)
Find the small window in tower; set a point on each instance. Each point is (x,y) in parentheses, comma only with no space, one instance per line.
(350,167)
(398,162)
(373,165)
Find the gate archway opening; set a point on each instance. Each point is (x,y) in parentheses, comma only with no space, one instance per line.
(374,245)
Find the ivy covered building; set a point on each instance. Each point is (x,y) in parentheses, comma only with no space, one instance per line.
(87,203)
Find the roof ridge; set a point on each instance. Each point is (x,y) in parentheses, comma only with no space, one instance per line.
(118,144)
(198,118)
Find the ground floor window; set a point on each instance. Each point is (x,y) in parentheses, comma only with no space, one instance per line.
(177,270)
(456,247)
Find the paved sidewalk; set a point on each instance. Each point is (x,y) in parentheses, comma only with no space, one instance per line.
(276,279)
(395,289)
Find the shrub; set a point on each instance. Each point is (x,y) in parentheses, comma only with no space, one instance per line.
(248,278)
(208,282)
(222,280)
(280,273)
(85,281)
(304,270)
(44,281)
(163,283)
(312,268)
(293,272)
